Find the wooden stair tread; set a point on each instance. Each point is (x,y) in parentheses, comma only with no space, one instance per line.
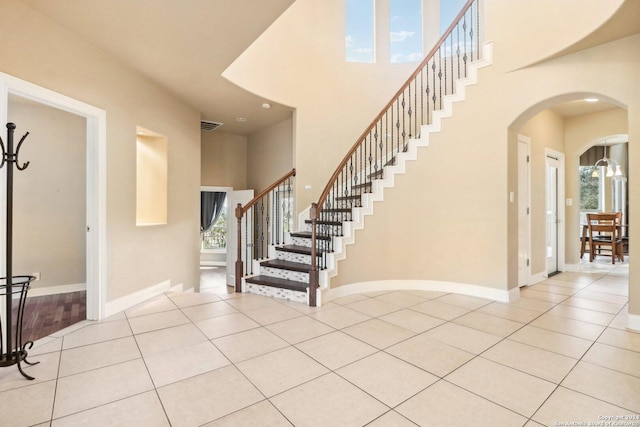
(296,249)
(362,185)
(352,197)
(286,265)
(337,210)
(276,282)
(320,222)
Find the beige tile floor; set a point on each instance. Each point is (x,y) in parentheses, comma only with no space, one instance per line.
(559,354)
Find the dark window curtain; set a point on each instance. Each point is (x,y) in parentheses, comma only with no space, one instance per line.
(211,205)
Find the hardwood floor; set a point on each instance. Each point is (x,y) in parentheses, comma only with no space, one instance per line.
(47,314)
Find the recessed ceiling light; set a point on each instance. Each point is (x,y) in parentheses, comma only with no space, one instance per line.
(241,119)
(591,99)
(266,105)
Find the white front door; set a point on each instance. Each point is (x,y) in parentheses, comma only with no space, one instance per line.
(233,198)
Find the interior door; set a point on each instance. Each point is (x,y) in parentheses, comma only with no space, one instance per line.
(524,269)
(233,198)
(552,218)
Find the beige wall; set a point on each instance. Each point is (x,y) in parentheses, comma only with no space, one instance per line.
(41,52)
(270,155)
(224,160)
(49,226)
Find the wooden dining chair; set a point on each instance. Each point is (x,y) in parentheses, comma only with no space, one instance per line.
(604,230)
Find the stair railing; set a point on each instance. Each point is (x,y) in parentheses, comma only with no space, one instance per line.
(268,219)
(389,133)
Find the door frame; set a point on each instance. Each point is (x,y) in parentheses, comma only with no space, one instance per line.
(525,174)
(560,194)
(96,122)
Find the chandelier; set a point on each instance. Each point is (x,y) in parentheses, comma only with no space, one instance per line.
(610,164)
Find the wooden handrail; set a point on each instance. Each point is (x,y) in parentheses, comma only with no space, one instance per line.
(264,192)
(425,61)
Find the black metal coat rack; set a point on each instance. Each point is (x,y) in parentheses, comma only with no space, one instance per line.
(12,350)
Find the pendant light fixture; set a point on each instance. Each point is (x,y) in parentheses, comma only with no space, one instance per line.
(610,163)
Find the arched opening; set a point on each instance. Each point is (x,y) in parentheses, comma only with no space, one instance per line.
(561,129)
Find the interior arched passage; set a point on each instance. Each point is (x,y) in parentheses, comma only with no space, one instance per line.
(566,124)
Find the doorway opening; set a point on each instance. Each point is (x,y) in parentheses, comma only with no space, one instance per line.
(219,237)
(89,248)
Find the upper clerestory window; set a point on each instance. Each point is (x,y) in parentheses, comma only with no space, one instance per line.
(359,31)
(405,23)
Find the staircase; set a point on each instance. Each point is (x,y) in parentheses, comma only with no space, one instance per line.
(367,170)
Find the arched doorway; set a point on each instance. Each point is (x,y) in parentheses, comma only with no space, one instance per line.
(564,126)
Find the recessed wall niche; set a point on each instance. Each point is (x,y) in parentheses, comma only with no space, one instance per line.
(151,178)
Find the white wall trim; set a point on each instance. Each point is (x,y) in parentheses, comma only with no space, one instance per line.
(60,289)
(500,295)
(213,263)
(527,141)
(634,322)
(127,301)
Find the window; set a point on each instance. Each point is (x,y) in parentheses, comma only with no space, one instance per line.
(591,191)
(151,178)
(405,23)
(215,238)
(359,33)
(449,9)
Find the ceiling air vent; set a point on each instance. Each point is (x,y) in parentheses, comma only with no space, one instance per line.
(209,126)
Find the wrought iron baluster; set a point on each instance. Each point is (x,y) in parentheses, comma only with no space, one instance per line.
(416,131)
(464,34)
(451,62)
(458,48)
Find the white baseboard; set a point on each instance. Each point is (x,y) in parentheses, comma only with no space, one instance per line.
(61,289)
(634,322)
(500,295)
(127,301)
(213,263)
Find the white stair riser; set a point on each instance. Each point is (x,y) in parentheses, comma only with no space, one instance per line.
(293,257)
(301,241)
(269,291)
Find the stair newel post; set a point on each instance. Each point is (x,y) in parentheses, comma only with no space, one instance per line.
(239,263)
(313,274)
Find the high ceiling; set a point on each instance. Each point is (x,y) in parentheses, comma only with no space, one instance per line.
(183,45)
